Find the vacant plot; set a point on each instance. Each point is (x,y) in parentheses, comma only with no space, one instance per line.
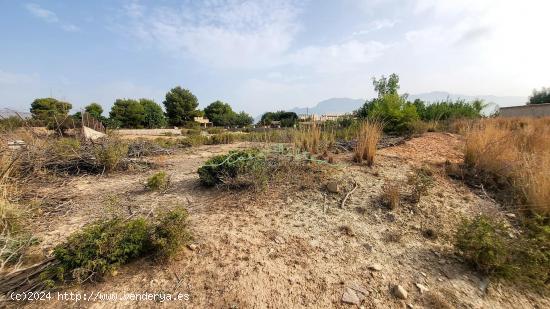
(275,227)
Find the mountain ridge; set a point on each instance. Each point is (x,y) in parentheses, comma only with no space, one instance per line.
(348,105)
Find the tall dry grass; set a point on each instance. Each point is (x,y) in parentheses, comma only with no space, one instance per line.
(313,139)
(517,152)
(368,135)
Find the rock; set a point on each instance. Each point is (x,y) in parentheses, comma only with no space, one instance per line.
(422,288)
(350,297)
(333,187)
(279,240)
(399,292)
(192,247)
(510,215)
(368,247)
(376,267)
(410,306)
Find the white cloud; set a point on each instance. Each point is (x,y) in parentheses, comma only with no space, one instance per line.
(376,25)
(49,17)
(338,57)
(42,13)
(225,34)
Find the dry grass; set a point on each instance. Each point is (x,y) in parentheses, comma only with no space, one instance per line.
(515,152)
(391,195)
(313,140)
(368,135)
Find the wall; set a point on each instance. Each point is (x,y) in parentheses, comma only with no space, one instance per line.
(532,110)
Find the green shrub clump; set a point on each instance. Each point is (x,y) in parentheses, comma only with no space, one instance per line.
(223,169)
(487,245)
(170,233)
(103,246)
(482,242)
(100,248)
(158,181)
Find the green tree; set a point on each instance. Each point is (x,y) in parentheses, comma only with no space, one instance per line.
(386,85)
(540,97)
(220,113)
(181,106)
(127,113)
(49,110)
(153,114)
(95,110)
(390,107)
(243,119)
(287,119)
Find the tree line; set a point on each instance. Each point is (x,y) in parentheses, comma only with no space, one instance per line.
(181,107)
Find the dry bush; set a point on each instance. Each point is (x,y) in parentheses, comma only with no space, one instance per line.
(368,135)
(14,239)
(514,153)
(391,195)
(420,180)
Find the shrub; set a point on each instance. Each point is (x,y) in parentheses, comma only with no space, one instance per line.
(103,246)
(158,181)
(223,138)
(194,140)
(421,180)
(223,168)
(391,195)
(482,242)
(100,248)
(171,233)
(449,109)
(193,132)
(368,135)
(110,153)
(214,130)
(486,244)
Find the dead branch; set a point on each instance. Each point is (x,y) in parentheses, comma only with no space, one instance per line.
(349,194)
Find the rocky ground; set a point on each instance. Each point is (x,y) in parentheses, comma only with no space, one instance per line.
(295,247)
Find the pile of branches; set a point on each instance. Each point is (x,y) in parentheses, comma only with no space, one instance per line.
(142,148)
(73,157)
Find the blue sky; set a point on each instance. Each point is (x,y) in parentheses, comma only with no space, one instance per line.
(268,55)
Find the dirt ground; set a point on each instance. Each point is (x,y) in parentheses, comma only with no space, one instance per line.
(293,248)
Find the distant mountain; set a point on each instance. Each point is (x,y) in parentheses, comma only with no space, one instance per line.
(6,112)
(334,105)
(347,105)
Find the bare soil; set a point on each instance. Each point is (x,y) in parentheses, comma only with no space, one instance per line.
(291,247)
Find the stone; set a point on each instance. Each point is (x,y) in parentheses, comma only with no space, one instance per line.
(192,247)
(350,297)
(510,215)
(375,267)
(400,292)
(333,187)
(279,240)
(422,288)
